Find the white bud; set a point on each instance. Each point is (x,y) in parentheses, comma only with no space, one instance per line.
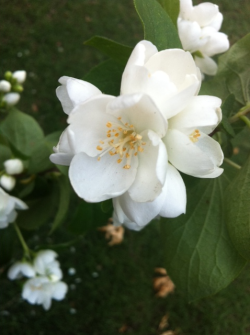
(13,166)
(7,182)
(11,98)
(4,86)
(20,76)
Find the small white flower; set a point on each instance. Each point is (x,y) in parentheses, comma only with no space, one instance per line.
(20,269)
(198,28)
(7,182)
(20,76)
(46,265)
(8,204)
(13,166)
(5,86)
(40,291)
(11,99)
(129,148)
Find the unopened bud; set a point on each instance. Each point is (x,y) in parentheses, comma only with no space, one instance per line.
(11,98)
(13,166)
(17,88)
(8,75)
(5,86)
(7,182)
(20,76)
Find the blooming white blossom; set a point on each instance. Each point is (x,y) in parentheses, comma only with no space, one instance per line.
(8,206)
(5,86)
(198,28)
(7,182)
(41,290)
(13,166)
(11,99)
(20,76)
(130,147)
(46,265)
(20,269)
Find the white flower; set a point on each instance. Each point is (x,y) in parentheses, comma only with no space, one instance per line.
(46,265)
(20,76)
(11,99)
(5,86)
(20,269)
(13,166)
(198,28)
(7,182)
(8,204)
(40,291)
(121,148)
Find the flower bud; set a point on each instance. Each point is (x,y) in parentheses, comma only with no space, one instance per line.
(11,98)
(20,76)
(13,166)
(7,182)
(8,75)
(17,88)
(4,86)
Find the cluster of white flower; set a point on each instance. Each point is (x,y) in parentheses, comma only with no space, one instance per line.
(11,167)
(10,87)
(198,28)
(8,206)
(44,283)
(131,147)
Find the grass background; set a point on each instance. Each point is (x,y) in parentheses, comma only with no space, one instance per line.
(112,287)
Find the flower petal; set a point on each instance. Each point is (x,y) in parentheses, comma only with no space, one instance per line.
(217,21)
(206,64)
(59,290)
(122,219)
(216,44)
(203,112)
(96,181)
(175,194)
(139,110)
(186,8)
(186,156)
(141,53)
(151,172)
(74,92)
(204,13)
(190,33)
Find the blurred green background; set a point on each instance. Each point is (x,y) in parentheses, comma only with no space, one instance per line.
(111,292)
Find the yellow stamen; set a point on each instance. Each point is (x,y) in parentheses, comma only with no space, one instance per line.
(109,124)
(99,148)
(127,167)
(119,160)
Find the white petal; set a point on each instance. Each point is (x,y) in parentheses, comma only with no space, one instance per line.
(175,194)
(216,44)
(61,158)
(186,8)
(59,290)
(217,21)
(206,64)
(141,53)
(19,204)
(140,111)
(96,181)
(204,13)
(190,33)
(211,147)
(186,156)
(88,125)
(151,172)
(123,219)
(176,63)
(201,112)
(74,92)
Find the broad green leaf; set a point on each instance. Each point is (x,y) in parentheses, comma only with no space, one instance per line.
(107,77)
(158,27)
(238,210)
(88,216)
(114,50)
(226,111)
(8,240)
(5,153)
(39,160)
(64,199)
(172,7)
(22,131)
(199,255)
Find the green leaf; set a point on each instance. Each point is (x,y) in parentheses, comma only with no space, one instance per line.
(172,7)
(238,210)
(21,131)
(5,153)
(158,27)
(114,50)
(199,255)
(39,160)
(226,111)
(7,242)
(106,76)
(64,199)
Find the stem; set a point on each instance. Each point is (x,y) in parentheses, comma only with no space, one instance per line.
(21,239)
(245,119)
(243,111)
(228,161)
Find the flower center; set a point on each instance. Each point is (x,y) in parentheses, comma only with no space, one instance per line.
(121,140)
(194,136)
